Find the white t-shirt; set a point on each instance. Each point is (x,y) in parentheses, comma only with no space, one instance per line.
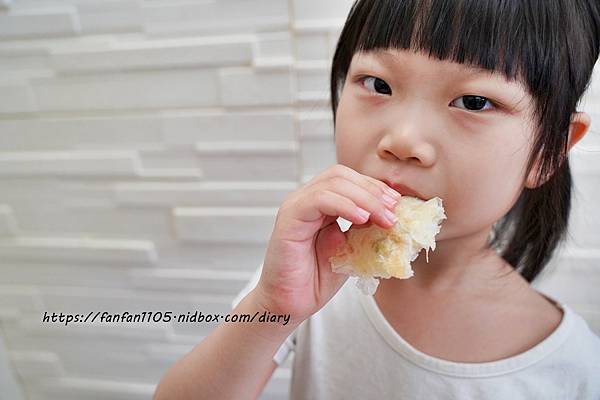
(348,350)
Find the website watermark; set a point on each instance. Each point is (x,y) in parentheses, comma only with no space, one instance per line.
(162,316)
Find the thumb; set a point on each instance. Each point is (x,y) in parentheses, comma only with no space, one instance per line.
(328,240)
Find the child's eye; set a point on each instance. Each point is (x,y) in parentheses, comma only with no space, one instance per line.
(470,102)
(473,103)
(378,84)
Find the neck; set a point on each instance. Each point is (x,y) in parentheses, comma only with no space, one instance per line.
(457,265)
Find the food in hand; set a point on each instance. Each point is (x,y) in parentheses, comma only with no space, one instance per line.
(372,252)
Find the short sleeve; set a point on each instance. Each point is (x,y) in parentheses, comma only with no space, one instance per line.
(289,344)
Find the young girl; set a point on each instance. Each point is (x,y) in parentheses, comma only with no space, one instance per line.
(473,102)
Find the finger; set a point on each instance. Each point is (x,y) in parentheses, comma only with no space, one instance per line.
(326,202)
(328,240)
(381,211)
(375,186)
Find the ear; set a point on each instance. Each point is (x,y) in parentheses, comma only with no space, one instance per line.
(580,123)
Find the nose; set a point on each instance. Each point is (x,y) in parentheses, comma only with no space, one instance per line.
(408,137)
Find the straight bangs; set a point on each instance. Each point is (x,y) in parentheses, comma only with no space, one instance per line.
(481,33)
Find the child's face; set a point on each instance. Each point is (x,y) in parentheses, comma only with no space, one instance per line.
(422,122)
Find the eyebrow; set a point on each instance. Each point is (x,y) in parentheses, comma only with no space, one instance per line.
(389,58)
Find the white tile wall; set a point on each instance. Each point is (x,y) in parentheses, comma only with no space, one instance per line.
(121,91)
(41,22)
(145,147)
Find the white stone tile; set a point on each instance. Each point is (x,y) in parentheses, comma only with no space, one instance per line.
(116,358)
(174,174)
(273,45)
(315,125)
(590,313)
(84,389)
(203,282)
(37,364)
(211,255)
(83,300)
(317,154)
(8,222)
(109,16)
(584,221)
(249,160)
(243,86)
(79,249)
(43,46)
(272,65)
(312,76)
(46,272)
(584,160)
(171,158)
(576,261)
(23,298)
(10,314)
(215,17)
(106,163)
(192,128)
(224,224)
(111,132)
(52,191)
(135,90)
(213,193)
(16,98)
(571,289)
(158,54)
(317,141)
(100,329)
(334,36)
(246,148)
(265,168)
(91,217)
(50,22)
(313,100)
(319,10)
(312,46)
(16,60)
(306,26)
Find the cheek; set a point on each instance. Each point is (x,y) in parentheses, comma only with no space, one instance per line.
(484,190)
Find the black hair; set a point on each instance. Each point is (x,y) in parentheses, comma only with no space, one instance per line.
(551,46)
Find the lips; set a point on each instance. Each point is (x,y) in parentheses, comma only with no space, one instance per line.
(404,190)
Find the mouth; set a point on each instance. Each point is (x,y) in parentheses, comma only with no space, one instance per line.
(404,190)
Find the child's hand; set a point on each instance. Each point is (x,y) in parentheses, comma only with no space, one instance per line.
(297,278)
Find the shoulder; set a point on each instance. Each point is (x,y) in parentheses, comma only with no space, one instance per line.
(574,355)
(566,318)
(585,341)
(579,356)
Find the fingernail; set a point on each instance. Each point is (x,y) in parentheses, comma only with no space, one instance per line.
(393,193)
(391,216)
(389,201)
(364,214)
